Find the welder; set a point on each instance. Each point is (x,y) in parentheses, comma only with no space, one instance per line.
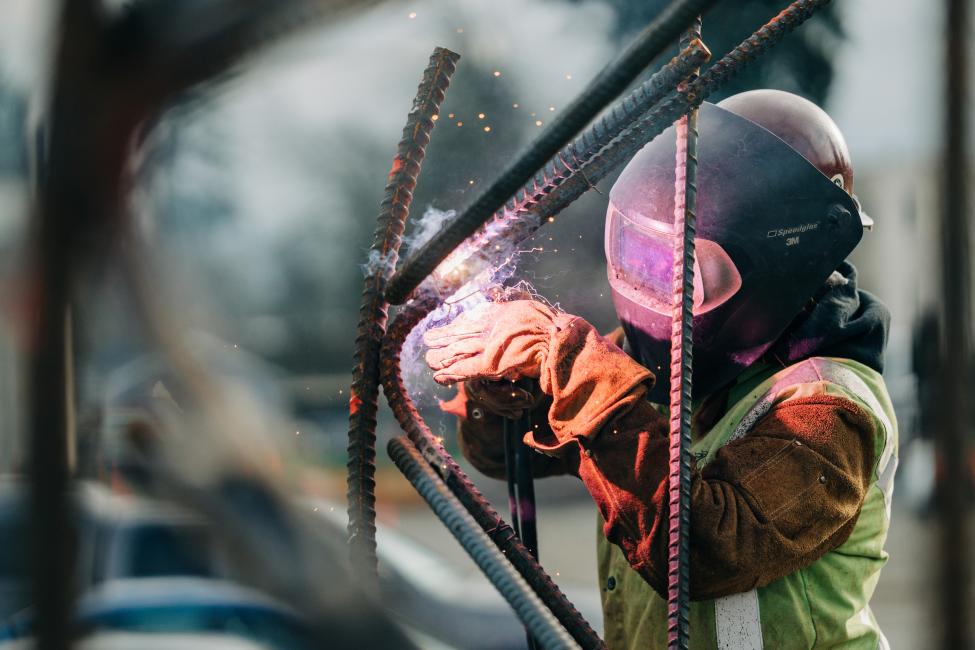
(794,437)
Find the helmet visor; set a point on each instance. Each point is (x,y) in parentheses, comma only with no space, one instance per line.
(640,256)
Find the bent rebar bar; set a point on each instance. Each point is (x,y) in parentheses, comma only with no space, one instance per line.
(609,83)
(457,481)
(364,394)
(532,612)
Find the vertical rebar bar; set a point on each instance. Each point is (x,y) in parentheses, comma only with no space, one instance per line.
(364,394)
(681,356)
(956,352)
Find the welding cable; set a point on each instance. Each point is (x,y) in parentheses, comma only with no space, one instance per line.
(510,469)
(537,618)
(457,481)
(681,355)
(364,394)
(526,486)
(509,229)
(608,84)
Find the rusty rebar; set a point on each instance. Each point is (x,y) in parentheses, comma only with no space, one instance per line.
(364,395)
(681,356)
(609,83)
(423,303)
(538,620)
(574,155)
(512,226)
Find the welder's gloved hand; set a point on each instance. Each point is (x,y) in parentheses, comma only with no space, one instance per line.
(589,379)
(504,398)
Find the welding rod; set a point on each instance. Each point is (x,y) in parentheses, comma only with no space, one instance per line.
(610,82)
(364,393)
(533,613)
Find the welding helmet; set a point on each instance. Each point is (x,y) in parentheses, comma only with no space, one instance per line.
(775,217)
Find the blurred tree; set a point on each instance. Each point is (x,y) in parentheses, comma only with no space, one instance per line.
(802,63)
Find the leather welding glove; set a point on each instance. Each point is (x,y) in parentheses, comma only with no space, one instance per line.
(480,431)
(589,379)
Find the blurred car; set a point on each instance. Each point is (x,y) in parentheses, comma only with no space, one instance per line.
(149,569)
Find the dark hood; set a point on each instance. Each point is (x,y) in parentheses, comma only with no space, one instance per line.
(840,321)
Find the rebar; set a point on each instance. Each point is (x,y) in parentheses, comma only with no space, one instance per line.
(526,603)
(516,226)
(431,448)
(609,83)
(67,207)
(681,356)
(954,381)
(364,394)
(522,216)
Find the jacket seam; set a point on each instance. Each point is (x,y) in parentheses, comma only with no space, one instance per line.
(812,618)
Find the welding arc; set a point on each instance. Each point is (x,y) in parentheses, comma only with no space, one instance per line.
(457,481)
(610,82)
(364,393)
(532,612)
(681,356)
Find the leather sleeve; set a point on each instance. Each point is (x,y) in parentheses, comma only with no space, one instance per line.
(770,503)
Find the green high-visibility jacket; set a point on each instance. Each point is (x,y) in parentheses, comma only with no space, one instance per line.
(824,605)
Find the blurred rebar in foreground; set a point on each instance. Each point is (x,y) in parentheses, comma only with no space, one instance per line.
(955,419)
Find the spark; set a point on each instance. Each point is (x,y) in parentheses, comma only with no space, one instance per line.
(297,433)
(514,106)
(487,129)
(568,77)
(551,220)
(435,118)
(450,115)
(497,73)
(460,124)
(551,108)
(471,182)
(480,116)
(412,15)
(538,122)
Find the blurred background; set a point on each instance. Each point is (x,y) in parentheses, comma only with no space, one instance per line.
(257,197)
